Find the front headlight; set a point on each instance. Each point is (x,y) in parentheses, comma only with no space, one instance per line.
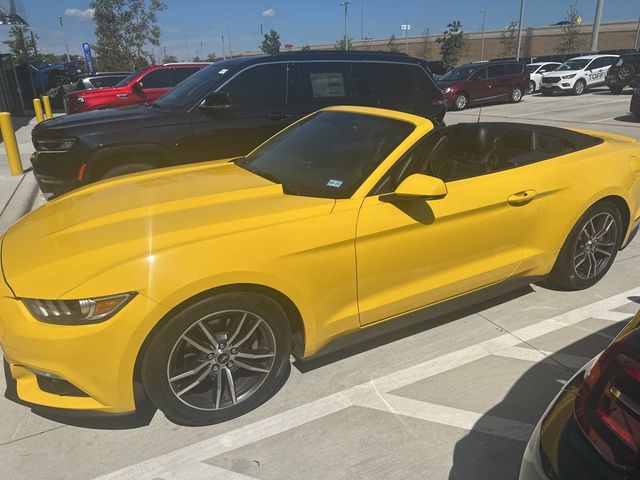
(59,145)
(564,77)
(77,312)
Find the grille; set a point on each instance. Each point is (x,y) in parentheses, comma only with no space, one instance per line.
(551,79)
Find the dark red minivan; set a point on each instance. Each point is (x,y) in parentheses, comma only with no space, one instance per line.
(484,82)
(142,86)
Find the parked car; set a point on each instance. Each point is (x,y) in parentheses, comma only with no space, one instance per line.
(142,86)
(635,103)
(578,74)
(591,430)
(225,110)
(625,73)
(199,281)
(47,76)
(536,70)
(475,83)
(100,80)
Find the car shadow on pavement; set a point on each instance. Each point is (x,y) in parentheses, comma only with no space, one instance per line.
(479,455)
(141,418)
(629,117)
(408,325)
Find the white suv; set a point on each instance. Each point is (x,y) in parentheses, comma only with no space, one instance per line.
(536,70)
(578,74)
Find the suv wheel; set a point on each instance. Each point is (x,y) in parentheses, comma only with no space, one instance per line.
(579,87)
(516,95)
(461,101)
(626,72)
(615,90)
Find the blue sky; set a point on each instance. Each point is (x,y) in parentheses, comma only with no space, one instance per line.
(197,25)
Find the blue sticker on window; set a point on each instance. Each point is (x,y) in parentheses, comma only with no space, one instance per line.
(334,183)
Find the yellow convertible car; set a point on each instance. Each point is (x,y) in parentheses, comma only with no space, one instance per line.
(192,285)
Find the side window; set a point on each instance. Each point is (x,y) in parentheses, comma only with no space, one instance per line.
(514,68)
(400,86)
(157,79)
(596,63)
(548,68)
(497,70)
(611,61)
(259,87)
(180,74)
(324,83)
(479,74)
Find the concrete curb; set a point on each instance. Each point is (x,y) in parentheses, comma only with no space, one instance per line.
(20,201)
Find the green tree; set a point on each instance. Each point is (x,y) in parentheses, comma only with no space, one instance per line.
(123,29)
(570,41)
(19,48)
(508,40)
(211,58)
(341,46)
(169,59)
(453,43)
(392,45)
(271,43)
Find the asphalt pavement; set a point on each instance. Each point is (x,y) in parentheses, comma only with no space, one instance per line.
(453,397)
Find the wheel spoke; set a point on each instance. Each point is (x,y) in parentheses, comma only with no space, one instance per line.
(605,228)
(594,262)
(255,355)
(235,334)
(584,259)
(251,367)
(208,335)
(197,382)
(218,388)
(606,244)
(189,373)
(603,252)
(590,265)
(196,344)
(232,385)
(246,337)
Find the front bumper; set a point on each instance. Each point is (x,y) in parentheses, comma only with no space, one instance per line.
(56,173)
(556,87)
(80,368)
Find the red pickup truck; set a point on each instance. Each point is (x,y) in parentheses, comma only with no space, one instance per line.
(142,86)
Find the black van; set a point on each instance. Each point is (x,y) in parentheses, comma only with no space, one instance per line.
(226,110)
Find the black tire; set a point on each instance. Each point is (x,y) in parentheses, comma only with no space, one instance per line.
(126,168)
(569,269)
(616,90)
(532,87)
(516,95)
(625,72)
(461,101)
(202,405)
(579,87)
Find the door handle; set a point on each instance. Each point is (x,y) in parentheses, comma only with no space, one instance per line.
(277,116)
(122,95)
(522,198)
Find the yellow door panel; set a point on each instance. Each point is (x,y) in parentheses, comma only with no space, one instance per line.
(413,253)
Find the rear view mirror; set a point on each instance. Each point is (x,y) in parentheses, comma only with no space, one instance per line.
(421,186)
(216,102)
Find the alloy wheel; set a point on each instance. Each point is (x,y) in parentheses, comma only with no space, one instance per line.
(516,95)
(461,102)
(580,88)
(532,86)
(221,359)
(596,245)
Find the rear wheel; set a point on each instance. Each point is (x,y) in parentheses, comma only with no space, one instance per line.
(579,87)
(127,168)
(516,95)
(461,101)
(218,359)
(626,72)
(590,248)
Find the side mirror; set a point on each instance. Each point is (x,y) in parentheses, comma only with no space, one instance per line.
(421,186)
(137,87)
(216,102)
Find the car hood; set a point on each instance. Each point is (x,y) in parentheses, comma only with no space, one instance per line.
(68,241)
(557,73)
(64,125)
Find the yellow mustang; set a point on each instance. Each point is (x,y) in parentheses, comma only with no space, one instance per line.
(197,282)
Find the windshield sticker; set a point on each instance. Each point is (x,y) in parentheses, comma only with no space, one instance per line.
(334,183)
(223,71)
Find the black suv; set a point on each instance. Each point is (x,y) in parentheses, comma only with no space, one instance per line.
(624,73)
(225,110)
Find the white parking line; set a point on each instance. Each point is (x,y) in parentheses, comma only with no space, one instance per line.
(614,316)
(187,461)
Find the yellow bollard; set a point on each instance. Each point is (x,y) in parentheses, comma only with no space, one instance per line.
(47,107)
(37,106)
(10,143)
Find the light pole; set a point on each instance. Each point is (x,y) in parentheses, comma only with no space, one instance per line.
(405,28)
(484,17)
(361,19)
(65,38)
(596,27)
(520,29)
(346,13)
(635,44)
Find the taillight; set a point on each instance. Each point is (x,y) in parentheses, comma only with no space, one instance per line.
(607,405)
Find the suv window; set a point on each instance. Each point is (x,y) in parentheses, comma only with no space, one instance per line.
(596,63)
(259,87)
(180,74)
(479,74)
(497,70)
(514,68)
(400,85)
(549,67)
(160,78)
(609,61)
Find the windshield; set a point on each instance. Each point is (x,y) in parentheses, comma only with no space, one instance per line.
(577,64)
(129,77)
(327,155)
(194,88)
(459,73)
